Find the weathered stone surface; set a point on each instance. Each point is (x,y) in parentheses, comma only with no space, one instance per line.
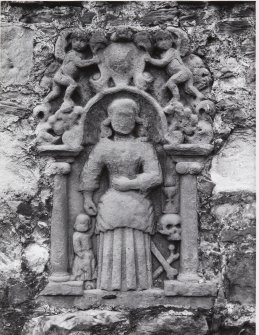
(16,55)
(233,168)
(232,26)
(10,252)
(36,257)
(153,18)
(20,176)
(173,323)
(232,235)
(18,294)
(240,277)
(77,321)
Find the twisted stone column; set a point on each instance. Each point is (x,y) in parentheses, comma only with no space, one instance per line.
(59,224)
(189,261)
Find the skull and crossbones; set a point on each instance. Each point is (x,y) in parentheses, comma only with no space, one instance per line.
(169,225)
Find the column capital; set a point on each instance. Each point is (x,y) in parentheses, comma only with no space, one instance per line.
(189,167)
(60,168)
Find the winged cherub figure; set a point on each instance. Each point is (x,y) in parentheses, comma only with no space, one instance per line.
(175,67)
(68,72)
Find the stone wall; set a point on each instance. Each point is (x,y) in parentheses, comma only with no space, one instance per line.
(223,35)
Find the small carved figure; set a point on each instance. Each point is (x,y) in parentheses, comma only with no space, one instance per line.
(84,267)
(68,71)
(175,67)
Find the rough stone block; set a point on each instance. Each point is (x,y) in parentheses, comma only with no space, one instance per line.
(232,26)
(192,289)
(18,294)
(67,322)
(36,257)
(233,168)
(16,55)
(240,276)
(160,16)
(232,235)
(20,177)
(175,323)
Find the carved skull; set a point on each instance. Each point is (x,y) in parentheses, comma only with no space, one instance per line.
(169,225)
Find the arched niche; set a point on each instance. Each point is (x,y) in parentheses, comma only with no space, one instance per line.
(95,112)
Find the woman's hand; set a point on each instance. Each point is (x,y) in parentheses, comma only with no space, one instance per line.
(147,58)
(89,206)
(95,60)
(123,184)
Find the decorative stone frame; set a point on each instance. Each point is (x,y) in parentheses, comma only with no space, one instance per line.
(61,135)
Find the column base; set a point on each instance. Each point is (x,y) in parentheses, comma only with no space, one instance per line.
(186,277)
(59,277)
(190,289)
(64,288)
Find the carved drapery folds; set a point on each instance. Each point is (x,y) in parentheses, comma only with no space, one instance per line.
(131,111)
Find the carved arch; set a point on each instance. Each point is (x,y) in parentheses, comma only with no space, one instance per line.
(153,112)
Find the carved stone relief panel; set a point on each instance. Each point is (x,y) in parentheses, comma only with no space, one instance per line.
(129,122)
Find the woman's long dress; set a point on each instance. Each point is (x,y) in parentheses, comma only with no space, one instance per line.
(125,219)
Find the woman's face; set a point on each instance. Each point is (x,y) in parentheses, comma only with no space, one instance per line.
(123,119)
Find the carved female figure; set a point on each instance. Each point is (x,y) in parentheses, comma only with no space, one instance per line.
(125,215)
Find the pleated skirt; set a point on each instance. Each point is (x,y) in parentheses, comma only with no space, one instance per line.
(124,260)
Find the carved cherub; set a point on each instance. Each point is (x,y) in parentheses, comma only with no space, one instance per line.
(68,71)
(84,265)
(175,67)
